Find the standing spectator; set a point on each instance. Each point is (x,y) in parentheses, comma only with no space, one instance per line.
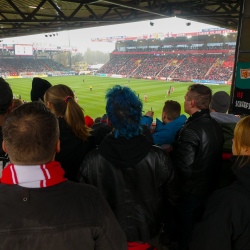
(6,105)
(197,156)
(44,209)
(134,176)
(218,108)
(226,222)
(171,122)
(74,134)
(39,87)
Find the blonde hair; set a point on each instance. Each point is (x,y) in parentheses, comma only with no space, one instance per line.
(242,138)
(69,109)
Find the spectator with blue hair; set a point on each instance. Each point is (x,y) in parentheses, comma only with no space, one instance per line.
(135,177)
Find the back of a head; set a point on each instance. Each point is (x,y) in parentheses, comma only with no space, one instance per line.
(39,87)
(241,134)
(220,102)
(172,109)
(124,110)
(6,96)
(17,103)
(201,94)
(62,99)
(30,134)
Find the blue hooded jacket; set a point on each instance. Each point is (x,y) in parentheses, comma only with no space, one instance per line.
(164,133)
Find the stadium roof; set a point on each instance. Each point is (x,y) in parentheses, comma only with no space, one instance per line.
(27,17)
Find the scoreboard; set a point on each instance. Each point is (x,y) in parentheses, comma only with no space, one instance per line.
(23,50)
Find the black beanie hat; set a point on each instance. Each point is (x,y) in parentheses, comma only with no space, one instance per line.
(220,101)
(39,87)
(6,96)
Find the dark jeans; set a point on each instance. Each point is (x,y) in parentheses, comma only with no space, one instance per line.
(187,214)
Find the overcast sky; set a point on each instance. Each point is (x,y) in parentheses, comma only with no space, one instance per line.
(81,38)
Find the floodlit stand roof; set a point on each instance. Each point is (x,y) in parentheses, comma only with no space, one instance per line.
(26,17)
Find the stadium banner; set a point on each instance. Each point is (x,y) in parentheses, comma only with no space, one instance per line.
(9,77)
(241,102)
(39,75)
(161,78)
(209,81)
(116,76)
(103,75)
(176,52)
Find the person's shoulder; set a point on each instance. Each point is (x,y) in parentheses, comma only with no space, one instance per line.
(80,190)
(231,195)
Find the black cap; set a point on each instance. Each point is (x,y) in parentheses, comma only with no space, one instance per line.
(220,101)
(6,96)
(39,87)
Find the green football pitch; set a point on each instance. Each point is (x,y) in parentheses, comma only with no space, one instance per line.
(93,102)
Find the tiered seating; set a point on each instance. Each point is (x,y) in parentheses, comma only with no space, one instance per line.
(131,65)
(151,66)
(194,67)
(114,65)
(53,65)
(15,66)
(222,71)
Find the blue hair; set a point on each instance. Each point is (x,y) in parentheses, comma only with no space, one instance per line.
(124,110)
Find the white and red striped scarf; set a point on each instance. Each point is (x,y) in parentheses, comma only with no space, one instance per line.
(33,176)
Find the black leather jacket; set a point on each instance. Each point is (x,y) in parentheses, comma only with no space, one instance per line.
(65,216)
(198,153)
(136,178)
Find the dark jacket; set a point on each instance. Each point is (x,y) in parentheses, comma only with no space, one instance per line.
(73,150)
(135,177)
(228,123)
(198,154)
(65,216)
(101,129)
(226,222)
(4,158)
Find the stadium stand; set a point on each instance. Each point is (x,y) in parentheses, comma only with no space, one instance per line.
(222,70)
(176,66)
(194,67)
(114,65)
(151,66)
(14,66)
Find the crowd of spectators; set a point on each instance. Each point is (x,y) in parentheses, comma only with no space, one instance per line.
(14,66)
(138,196)
(114,65)
(176,48)
(177,66)
(194,67)
(131,65)
(223,70)
(151,66)
(53,65)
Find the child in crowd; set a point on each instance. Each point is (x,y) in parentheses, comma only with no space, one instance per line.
(171,122)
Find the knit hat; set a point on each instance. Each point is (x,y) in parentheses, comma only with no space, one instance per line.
(6,96)
(39,87)
(220,101)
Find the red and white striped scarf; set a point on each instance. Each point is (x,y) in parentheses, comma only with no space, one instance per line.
(33,176)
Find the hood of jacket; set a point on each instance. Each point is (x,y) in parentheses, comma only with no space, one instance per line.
(171,127)
(242,173)
(124,152)
(225,118)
